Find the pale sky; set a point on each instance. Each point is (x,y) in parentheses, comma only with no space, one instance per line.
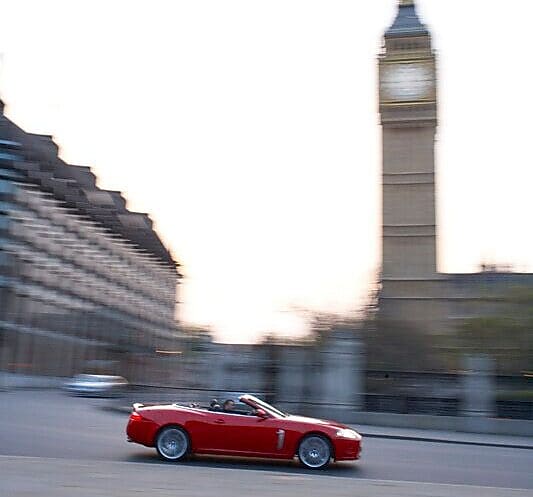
(249,131)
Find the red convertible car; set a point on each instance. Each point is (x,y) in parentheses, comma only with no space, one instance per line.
(255,429)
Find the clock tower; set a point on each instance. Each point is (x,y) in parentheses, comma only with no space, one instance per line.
(411,286)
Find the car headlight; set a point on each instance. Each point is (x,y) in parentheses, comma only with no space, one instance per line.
(347,433)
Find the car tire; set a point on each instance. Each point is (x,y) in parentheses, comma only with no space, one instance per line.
(314,451)
(172,443)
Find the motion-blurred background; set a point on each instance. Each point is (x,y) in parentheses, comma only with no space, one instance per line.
(88,286)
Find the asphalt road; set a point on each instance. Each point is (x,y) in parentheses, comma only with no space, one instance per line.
(48,426)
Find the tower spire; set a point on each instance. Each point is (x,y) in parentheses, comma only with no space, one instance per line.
(407,22)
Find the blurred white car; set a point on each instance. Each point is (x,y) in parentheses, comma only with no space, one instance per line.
(97,385)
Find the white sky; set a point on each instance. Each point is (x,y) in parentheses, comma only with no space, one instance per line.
(249,131)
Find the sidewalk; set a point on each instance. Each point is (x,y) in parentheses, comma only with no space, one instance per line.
(437,436)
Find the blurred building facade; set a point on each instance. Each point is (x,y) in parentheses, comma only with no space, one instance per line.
(83,281)
(412,289)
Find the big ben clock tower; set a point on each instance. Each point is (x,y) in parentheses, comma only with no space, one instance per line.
(411,286)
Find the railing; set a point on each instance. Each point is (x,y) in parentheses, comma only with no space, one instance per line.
(514,409)
(440,393)
(403,404)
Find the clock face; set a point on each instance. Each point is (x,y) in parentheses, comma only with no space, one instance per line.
(406,81)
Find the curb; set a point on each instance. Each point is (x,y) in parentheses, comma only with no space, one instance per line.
(447,441)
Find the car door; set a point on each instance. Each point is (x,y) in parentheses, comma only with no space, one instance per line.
(205,431)
(217,438)
(248,434)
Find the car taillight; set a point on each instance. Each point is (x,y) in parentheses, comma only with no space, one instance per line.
(135,416)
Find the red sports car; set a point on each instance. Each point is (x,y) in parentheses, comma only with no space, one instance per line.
(254,429)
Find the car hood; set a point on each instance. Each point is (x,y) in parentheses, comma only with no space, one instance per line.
(316,421)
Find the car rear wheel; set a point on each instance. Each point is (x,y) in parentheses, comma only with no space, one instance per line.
(314,451)
(172,443)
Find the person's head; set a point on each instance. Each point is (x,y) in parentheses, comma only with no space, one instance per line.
(229,405)
(213,403)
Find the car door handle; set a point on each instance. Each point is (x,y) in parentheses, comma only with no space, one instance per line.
(219,421)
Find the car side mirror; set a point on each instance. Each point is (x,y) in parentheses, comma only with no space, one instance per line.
(261,413)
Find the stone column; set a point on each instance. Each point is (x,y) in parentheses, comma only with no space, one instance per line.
(6,333)
(478,390)
(291,377)
(342,378)
(6,358)
(213,367)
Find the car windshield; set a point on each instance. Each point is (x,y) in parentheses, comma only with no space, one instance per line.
(84,377)
(265,406)
(96,378)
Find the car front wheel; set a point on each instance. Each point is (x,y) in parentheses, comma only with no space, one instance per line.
(314,451)
(172,443)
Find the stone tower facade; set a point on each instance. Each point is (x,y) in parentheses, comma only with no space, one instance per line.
(411,287)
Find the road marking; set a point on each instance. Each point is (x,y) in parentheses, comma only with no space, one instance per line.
(272,474)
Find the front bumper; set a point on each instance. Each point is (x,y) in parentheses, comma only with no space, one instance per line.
(347,450)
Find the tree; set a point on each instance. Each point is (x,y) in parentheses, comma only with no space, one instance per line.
(506,336)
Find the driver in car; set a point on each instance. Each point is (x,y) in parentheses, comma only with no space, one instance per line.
(229,407)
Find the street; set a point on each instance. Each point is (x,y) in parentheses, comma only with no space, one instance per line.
(49,440)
